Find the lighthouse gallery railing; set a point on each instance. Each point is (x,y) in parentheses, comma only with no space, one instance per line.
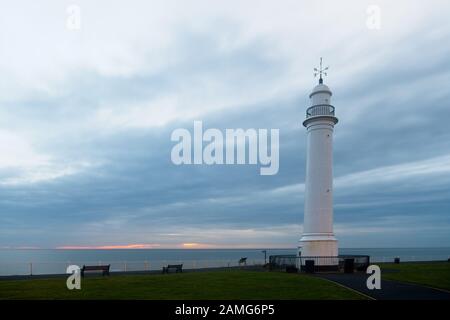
(320,110)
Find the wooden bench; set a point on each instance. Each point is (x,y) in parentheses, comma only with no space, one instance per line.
(103,268)
(176,267)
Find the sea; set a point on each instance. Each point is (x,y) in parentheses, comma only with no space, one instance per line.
(56,261)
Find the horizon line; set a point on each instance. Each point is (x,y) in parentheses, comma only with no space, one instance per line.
(138,247)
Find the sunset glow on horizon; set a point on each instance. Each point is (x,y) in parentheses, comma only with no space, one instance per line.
(112,247)
(189,245)
(186,245)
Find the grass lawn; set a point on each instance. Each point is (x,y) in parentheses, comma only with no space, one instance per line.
(233,284)
(433,274)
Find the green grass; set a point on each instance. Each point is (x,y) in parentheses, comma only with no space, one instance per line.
(432,274)
(233,284)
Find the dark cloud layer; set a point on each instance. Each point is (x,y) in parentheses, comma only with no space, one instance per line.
(392,136)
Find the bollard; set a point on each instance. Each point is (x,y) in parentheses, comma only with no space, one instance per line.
(349,265)
(309,266)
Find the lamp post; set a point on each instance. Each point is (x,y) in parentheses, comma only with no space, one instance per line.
(265,256)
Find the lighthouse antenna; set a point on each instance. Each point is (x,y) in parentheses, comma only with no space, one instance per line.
(321,71)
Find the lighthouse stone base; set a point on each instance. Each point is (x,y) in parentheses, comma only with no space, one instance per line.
(318,248)
(323,249)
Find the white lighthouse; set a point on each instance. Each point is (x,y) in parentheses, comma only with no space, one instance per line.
(318,239)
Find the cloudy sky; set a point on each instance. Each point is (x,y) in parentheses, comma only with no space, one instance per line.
(86,117)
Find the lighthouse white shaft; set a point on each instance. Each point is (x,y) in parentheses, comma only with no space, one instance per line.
(318,238)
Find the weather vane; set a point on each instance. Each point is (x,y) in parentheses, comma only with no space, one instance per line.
(320,71)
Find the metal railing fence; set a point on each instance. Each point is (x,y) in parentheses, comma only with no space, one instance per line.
(320,110)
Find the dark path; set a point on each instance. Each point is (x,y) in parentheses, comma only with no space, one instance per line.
(390,290)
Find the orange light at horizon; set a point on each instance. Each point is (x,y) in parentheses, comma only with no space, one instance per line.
(195,245)
(191,244)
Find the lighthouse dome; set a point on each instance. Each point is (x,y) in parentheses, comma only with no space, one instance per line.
(321,88)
